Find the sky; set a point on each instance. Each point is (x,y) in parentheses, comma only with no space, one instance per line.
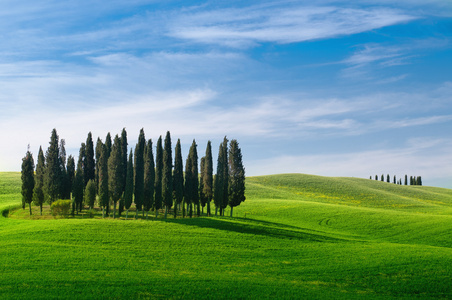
(331,88)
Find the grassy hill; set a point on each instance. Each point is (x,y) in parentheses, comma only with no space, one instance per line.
(296,236)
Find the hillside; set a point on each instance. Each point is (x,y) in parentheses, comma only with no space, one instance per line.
(296,236)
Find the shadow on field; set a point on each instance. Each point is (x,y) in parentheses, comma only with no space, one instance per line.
(255,227)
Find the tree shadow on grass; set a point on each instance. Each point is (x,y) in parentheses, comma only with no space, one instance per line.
(256,227)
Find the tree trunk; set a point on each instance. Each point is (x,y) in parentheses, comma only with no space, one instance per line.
(231,211)
(136,214)
(216,211)
(127,213)
(114,210)
(147,214)
(166,210)
(156,213)
(40,206)
(29,205)
(208,208)
(103,212)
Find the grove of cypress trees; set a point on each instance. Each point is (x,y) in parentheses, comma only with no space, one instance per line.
(139,172)
(149,177)
(115,181)
(28,179)
(236,176)
(167,179)
(38,191)
(128,192)
(208,176)
(178,178)
(103,181)
(52,179)
(158,177)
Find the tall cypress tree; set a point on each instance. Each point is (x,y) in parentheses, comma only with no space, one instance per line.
(38,191)
(124,145)
(167,179)
(77,188)
(178,178)
(108,144)
(218,181)
(225,176)
(195,175)
(149,177)
(202,196)
(208,176)
(89,164)
(115,181)
(128,192)
(28,179)
(53,172)
(406,179)
(191,195)
(98,152)
(70,173)
(158,176)
(188,186)
(103,180)
(64,189)
(139,171)
(236,176)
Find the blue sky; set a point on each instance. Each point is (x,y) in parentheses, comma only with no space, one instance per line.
(334,88)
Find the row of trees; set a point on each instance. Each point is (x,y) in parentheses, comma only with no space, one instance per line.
(414,180)
(109,174)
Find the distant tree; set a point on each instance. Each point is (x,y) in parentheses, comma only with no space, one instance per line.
(178,178)
(90,193)
(376,177)
(395,180)
(38,191)
(406,179)
(77,187)
(158,177)
(103,181)
(167,178)
(139,172)
(52,179)
(108,144)
(195,178)
(128,192)
(388,179)
(208,176)
(419,180)
(411,180)
(236,176)
(202,196)
(382,177)
(370,177)
(65,191)
(89,163)
(124,167)
(149,177)
(70,169)
(115,173)
(28,179)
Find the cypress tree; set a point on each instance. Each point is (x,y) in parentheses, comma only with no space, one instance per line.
(191,183)
(236,176)
(406,179)
(52,177)
(388,180)
(376,177)
(65,192)
(178,178)
(89,196)
(419,180)
(158,176)
(395,180)
(139,172)
(38,191)
(167,179)
(77,187)
(28,179)
(208,176)
(225,176)
(70,169)
(89,164)
(202,196)
(149,177)
(115,173)
(124,167)
(103,180)
(195,178)
(99,146)
(218,181)
(128,192)
(108,144)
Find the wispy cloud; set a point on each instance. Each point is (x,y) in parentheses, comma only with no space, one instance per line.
(281,24)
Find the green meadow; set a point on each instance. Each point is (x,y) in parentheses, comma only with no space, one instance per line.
(295,237)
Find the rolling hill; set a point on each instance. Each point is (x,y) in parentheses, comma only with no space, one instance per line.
(296,236)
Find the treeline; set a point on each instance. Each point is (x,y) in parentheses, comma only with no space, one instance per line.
(108,174)
(414,180)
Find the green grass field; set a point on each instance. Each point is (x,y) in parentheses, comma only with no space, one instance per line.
(296,236)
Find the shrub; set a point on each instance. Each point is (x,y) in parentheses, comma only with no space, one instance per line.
(61,207)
